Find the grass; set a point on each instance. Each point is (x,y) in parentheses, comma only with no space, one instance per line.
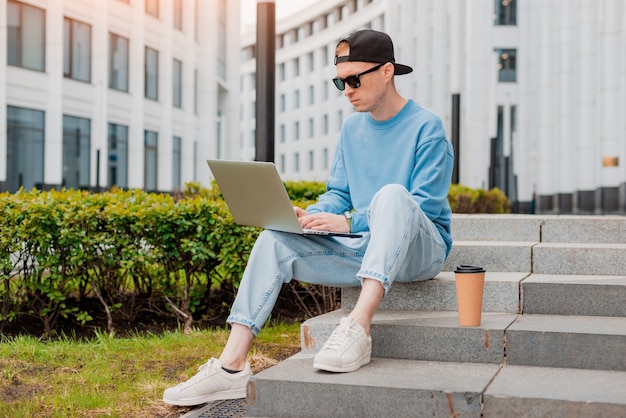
(116,377)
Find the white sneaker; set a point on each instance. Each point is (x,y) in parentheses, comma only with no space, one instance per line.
(211,383)
(347,349)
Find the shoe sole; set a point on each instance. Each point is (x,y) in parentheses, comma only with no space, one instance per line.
(217,396)
(362,361)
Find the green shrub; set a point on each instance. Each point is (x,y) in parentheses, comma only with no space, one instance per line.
(467,200)
(136,252)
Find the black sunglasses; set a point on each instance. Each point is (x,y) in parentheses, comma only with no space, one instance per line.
(353,80)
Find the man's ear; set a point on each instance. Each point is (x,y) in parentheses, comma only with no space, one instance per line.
(388,71)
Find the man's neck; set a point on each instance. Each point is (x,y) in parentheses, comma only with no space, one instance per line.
(389,107)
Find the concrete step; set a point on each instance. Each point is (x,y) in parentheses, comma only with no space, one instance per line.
(582,342)
(419,335)
(581,259)
(410,388)
(574,295)
(584,229)
(483,227)
(385,387)
(509,256)
(521,391)
(501,294)
(536,228)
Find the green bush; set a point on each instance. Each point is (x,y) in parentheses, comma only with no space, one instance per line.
(467,200)
(136,252)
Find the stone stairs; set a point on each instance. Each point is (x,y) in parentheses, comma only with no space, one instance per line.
(552,342)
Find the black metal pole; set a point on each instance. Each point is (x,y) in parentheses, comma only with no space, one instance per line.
(265,81)
(456,135)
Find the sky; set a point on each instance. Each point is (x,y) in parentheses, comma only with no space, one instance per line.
(283,8)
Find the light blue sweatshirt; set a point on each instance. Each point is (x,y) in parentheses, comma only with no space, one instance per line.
(409,149)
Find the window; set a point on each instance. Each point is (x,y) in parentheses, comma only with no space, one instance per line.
(507,65)
(176,162)
(282,133)
(118,62)
(282,102)
(178,14)
(324,56)
(77,50)
(152,74)
(311,94)
(25,150)
(311,62)
(152,8)
(505,12)
(296,99)
(150,159)
(325,158)
(296,162)
(177,84)
(325,125)
(76,152)
(281,71)
(311,127)
(311,161)
(117,162)
(26,36)
(296,67)
(297,130)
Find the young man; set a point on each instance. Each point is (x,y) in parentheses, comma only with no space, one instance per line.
(389,181)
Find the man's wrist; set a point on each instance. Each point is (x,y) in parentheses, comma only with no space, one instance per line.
(348,217)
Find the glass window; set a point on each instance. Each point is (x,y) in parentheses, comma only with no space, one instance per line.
(505,12)
(311,127)
(296,67)
(177,84)
(325,127)
(25,150)
(152,8)
(118,62)
(26,36)
(117,163)
(311,94)
(325,158)
(77,50)
(176,162)
(507,65)
(282,133)
(296,99)
(296,162)
(311,161)
(297,130)
(76,152)
(152,74)
(150,159)
(178,14)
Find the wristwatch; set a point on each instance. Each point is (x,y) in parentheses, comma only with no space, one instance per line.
(348,216)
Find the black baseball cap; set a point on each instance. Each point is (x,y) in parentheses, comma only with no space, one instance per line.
(369,45)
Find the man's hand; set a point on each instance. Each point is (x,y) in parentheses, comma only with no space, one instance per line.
(322,221)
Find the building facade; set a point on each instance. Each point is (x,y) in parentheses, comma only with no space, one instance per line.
(532,92)
(126,93)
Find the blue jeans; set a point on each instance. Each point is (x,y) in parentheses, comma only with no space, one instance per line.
(402,245)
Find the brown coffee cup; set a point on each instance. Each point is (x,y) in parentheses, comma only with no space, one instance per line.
(470,285)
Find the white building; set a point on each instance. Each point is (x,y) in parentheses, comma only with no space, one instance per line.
(133,93)
(541,86)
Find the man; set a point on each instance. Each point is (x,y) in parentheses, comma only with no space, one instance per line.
(389,181)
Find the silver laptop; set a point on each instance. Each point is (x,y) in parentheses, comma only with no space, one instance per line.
(256,196)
